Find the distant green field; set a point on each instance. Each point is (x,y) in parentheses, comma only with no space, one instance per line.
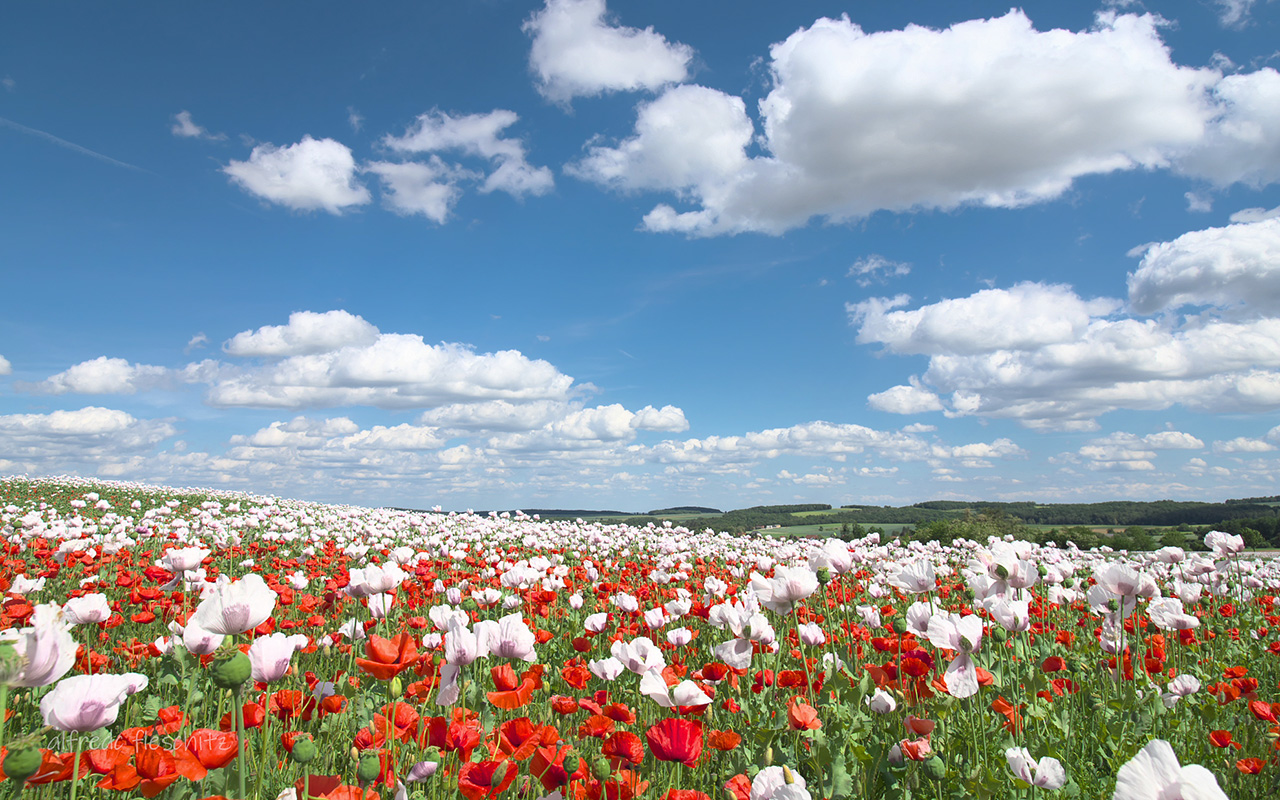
(827,530)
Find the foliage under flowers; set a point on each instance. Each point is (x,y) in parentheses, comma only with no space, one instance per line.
(184,644)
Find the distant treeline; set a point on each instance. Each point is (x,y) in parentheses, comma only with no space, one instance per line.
(685,510)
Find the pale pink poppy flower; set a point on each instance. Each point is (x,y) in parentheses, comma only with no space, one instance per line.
(685,693)
(775,783)
(1178,688)
(462,646)
(1155,774)
(1167,614)
(509,637)
(233,607)
(1224,544)
(640,655)
(184,559)
(655,618)
(679,637)
(963,635)
(915,577)
(881,702)
(84,703)
(199,641)
(46,651)
(787,588)
(374,579)
(86,609)
(736,653)
(270,656)
(596,623)
(811,634)
(1047,773)
(380,605)
(606,669)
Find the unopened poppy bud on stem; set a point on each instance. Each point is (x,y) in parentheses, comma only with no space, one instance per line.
(21,763)
(369,767)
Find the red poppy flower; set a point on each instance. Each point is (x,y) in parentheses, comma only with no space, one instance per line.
(563,705)
(1262,710)
(618,712)
(1250,766)
(1222,739)
(723,740)
(512,694)
(1054,664)
(624,785)
(598,726)
(739,786)
(802,717)
(685,794)
(547,765)
(675,739)
(485,779)
(518,738)
(386,658)
(623,748)
(213,749)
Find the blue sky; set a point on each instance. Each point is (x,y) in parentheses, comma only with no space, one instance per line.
(557,254)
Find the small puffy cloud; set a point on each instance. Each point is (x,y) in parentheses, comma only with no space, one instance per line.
(314,174)
(1243,444)
(480,136)
(988,321)
(1237,265)
(5,367)
(912,399)
(576,52)
(667,418)
(308,332)
(875,268)
(416,188)
(184,127)
(1172,440)
(102,375)
(196,342)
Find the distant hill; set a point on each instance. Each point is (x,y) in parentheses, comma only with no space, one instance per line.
(684,510)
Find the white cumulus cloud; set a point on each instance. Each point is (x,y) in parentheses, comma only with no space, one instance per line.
(314,174)
(576,52)
(1235,265)
(103,375)
(308,332)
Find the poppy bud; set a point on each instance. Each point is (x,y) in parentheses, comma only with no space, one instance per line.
(1042,570)
(999,634)
(1113,605)
(787,776)
(935,769)
(899,626)
(396,687)
(21,763)
(1068,582)
(767,756)
(824,575)
(369,767)
(304,750)
(601,769)
(230,669)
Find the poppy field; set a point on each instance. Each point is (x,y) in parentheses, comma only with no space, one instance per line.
(183,644)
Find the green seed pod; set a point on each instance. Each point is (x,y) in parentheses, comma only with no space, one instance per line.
(935,769)
(369,767)
(824,575)
(230,669)
(396,687)
(22,763)
(572,763)
(899,626)
(1042,570)
(999,634)
(601,769)
(304,750)
(1068,581)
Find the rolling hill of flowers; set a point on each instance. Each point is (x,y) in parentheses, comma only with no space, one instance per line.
(186,643)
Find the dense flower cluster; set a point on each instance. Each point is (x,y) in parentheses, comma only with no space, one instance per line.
(253,645)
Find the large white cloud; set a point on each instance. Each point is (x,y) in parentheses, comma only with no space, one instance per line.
(308,332)
(314,174)
(1242,143)
(1236,265)
(576,53)
(989,112)
(90,438)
